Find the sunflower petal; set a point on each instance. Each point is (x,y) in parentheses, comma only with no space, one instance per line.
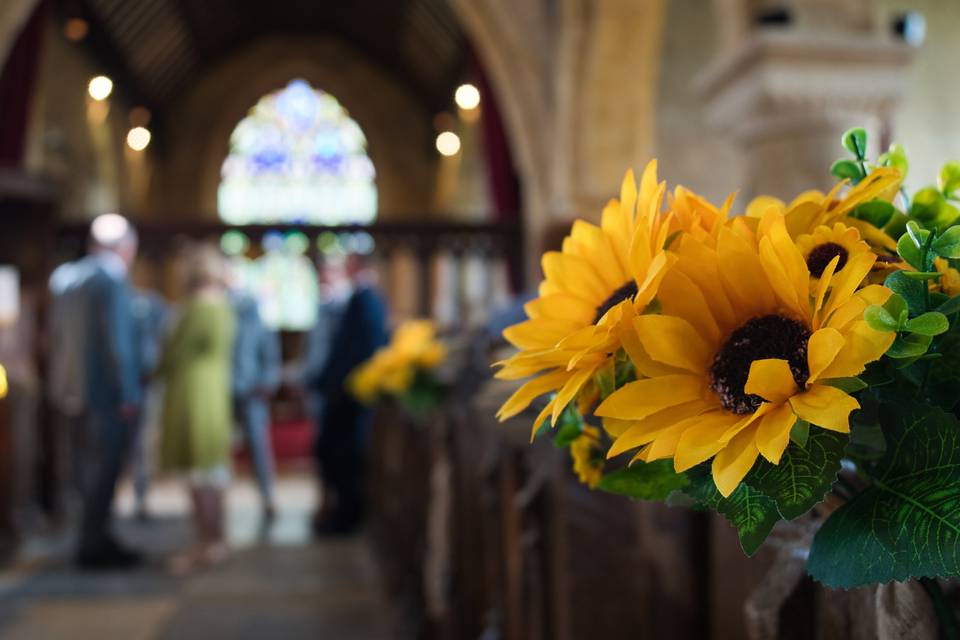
(531,390)
(822,348)
(650,428)
(862,345)
(702,438)
(826,407)
(639,399)
(673,341)
(773,432)
(734,461)
(569,390)
(771,379)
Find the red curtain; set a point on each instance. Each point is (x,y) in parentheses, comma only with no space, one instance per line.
(16,88)
(504,185)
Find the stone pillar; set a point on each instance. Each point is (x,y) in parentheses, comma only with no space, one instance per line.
(784,97)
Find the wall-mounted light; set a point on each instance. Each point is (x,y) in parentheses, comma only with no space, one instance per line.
(100,88)
(75,29)
(467,97)
(138,138)
(448,143)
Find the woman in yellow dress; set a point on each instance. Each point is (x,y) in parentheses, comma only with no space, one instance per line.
(196,417)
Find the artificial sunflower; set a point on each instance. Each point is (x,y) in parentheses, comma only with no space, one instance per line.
(744,347)
(813,209)
(949,282)
(392,369)
(826,243)
(603,275)
(587,453)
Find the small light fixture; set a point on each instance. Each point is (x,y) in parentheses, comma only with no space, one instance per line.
(448,143)
(100,88)
(467,97)
(138,138)
(76,29)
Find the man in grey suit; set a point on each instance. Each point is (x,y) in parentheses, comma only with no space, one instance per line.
(95,369)
(256,377)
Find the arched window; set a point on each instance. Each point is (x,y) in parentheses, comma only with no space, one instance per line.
(298,157)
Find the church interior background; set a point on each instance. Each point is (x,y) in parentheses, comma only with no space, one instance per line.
(449,141)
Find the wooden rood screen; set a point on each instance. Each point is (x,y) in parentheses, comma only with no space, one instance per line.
(427,266)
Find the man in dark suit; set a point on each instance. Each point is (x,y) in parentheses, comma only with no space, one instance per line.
(341,443)
(95,354)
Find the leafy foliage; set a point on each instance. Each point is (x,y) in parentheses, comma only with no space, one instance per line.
(644,480)
(907,523)
(804,475)
(750,512)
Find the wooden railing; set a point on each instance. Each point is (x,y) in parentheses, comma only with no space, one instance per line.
(423,241)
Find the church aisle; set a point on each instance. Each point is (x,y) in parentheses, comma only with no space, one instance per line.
(283,585)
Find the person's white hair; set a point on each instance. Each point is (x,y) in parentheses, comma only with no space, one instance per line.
(111,230)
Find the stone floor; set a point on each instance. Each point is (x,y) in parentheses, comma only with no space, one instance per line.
(279,584)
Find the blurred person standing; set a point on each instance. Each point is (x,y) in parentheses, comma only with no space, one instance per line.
(196,415)
(257,365)
(334,291)
(151,317)
(341,444)
(95,377)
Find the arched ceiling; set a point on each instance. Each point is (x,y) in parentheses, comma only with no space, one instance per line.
(159,47)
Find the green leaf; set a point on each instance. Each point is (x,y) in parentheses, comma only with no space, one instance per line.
(912,345)
(803,476)
(606,378)
(949,179)
(911,253)
(751,513)
(926,204)
(897,225)
(800,433)
(876,212)
(932,323)
(950,307)
(895,157)
(922,275)
(846,170)
(569,427)
(906,524)
(644,480)
(948,244)
(855,141)
(910,290)
(880,319)
(866,442)
(896,305)
(847,385)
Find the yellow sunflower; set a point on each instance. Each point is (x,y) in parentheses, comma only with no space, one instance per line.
(826,243)
(949,282)
(392,369)
(602,275)
(741,350)
(587,454)
(813,209)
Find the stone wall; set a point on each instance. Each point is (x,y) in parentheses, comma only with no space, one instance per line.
(79,142)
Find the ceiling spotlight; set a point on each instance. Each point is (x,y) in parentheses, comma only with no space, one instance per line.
(75,29)
(138,138)
(448,143)
(467,97)
(100,88)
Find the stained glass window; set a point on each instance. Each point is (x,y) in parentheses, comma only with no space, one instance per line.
(298,157)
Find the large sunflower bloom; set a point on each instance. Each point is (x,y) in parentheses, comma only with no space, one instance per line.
(602,275)
(741,351)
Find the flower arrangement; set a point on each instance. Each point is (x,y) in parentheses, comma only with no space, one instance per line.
(755,364)
(404,370)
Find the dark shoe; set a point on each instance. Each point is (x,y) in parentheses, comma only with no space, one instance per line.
(111,556)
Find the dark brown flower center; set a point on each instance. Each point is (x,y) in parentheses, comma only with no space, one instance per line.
(822,254)
(626,291)
(772,336)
